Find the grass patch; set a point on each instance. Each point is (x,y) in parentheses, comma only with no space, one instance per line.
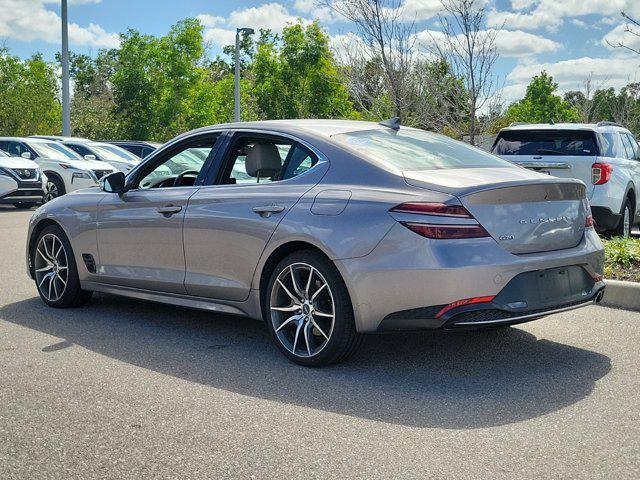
(622,259)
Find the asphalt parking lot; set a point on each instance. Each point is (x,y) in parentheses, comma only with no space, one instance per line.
(128,389)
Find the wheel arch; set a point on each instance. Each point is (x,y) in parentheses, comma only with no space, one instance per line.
(276,255)
(37,228)
(53,174)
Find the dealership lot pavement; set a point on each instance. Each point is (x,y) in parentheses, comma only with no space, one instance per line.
(128,389)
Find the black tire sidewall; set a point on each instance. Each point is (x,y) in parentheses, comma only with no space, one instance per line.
(59,185)
(344,327)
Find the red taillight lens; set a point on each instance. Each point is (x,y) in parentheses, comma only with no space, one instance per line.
(600,173)
(589,222)
(438,209)
(466,301)
(446,231)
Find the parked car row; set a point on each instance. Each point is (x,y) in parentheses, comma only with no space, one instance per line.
(57,165)
(605,156)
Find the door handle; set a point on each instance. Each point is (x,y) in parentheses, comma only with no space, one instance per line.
(268,210)
(169,210)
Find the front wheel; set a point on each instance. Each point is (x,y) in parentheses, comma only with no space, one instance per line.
(55,270)
(308,311)
(54,189)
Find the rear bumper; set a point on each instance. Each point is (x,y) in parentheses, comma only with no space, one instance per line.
(605,218)
(407,279)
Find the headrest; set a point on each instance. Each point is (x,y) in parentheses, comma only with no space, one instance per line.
(263,160)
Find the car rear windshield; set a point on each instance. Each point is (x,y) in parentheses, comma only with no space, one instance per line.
(546,142)
(409,149)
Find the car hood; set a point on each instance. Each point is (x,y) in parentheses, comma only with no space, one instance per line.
(17,162)
(87,164)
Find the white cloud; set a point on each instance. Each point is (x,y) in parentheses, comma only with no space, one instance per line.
(570,74)
(551,14)
(619,35)
(510,43)
(28,20)
(310,9)
(420,9)
(273,16)
(579,23)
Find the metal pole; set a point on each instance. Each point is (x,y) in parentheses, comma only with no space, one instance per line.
(66,111)
(236,97)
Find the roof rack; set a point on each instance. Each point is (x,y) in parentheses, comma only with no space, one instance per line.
(515,124)
(607,123)
(392,123)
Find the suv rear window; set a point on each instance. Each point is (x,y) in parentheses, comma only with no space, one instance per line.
(546,142)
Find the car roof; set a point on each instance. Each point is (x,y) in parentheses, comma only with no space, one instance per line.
(28,139)
(143,143)
(320,127)
(595,127)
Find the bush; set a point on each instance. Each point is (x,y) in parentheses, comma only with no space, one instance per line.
(622,259)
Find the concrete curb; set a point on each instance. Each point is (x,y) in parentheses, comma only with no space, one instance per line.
(620,294)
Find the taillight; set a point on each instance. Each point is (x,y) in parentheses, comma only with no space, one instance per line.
(600,173)
(446,231)
(434,229)
(438,209)
(589,221)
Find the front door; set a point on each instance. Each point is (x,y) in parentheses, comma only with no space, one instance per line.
(228,223)
(140,232)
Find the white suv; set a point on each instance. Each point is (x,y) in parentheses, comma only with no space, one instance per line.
(66,170)
(605,156)
(21,182)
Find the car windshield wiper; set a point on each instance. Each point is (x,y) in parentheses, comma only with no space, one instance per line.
(546,151)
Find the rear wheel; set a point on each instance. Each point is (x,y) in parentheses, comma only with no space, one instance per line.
(55,270)
(623,229)
(308,311)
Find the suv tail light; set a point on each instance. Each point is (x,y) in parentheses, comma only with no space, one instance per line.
(436,230)
(600,173)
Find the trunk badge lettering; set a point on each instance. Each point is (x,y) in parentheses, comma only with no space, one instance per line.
(526,221)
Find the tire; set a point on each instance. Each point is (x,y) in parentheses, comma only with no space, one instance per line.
(55,187)
(52,258)
(319,310)
(24,205)
(623,229)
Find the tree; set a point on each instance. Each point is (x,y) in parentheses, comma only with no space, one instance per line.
(540,104)
(387,39)
(28,96)
(470,49)
(295,76)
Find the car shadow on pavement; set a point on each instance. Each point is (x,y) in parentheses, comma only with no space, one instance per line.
(430,379)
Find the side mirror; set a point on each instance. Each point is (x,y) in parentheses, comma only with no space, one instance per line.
(26,155)
(113,183)
(89,157)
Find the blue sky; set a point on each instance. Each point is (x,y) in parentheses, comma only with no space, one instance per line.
(567,38)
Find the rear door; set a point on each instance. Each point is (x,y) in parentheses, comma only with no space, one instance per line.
(230,221)
(562,153)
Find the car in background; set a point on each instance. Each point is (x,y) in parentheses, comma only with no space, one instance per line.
(118,157)
(66,171)
(22,182)
(137,147)
(604,156)
(326,229)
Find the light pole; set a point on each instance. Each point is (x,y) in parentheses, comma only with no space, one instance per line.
(236,97)
(66,111)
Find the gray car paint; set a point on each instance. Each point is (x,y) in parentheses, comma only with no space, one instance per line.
(385,266)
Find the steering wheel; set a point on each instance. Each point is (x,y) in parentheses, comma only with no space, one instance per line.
(178,180)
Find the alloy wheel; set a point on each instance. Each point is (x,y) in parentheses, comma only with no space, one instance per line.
(52,192)
(51,267)
(302,310)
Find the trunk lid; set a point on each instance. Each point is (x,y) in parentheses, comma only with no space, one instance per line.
(524,211)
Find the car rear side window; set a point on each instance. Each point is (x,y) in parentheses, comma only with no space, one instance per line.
(409,149)
(546,142)
(612,145)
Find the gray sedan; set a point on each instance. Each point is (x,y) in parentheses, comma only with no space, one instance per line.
(327,230)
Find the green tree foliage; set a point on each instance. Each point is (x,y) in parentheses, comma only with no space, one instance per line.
(28,96)
(295,76)
(540,104)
